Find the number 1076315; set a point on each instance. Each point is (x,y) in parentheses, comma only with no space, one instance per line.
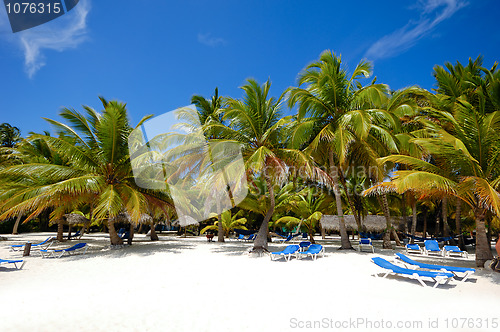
(33,8)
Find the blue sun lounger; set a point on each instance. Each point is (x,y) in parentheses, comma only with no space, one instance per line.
(314,250)
(410,263)
(438,277)
(365,243)
(304,245)
(58,253)
(431,246)
(250,237)
(413,248)
(42,245)
(449,250)
(9,261)
(287,252)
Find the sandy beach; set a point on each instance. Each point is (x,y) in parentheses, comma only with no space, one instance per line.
(188,284)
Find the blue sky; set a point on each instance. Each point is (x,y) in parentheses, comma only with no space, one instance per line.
(154,55)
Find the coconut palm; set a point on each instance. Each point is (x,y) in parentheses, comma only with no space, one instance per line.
(465,142)
(342,113)
(9,135)
(308,208)
(255,122)
(228,222)
(96,171)
(211,111)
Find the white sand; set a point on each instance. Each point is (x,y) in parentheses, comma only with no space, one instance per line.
(191,285)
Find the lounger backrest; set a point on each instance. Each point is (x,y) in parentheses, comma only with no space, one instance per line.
(291,249)
(315,248)
(413,246)
(304,244)
(365,241)
(432,245)
(77,246)
(452,248)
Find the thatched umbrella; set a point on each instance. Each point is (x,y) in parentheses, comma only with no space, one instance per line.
(71,219)
(144,219)
(375,224)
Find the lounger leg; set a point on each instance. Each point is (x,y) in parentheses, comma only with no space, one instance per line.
(466,276)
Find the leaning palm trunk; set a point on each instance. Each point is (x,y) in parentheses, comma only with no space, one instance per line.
(154,236)
(446,227)
(387,235)
(414,220)
(351,206)
(403,207)
(344,238)
(113,236)
(483,248)
(260,244)
(458,219)
(131,234)
(16,225)
(60,230)
(220,228)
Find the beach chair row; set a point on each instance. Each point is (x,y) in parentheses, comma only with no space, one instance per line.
(44,248)
(304,249)
(439,274)
(432,247)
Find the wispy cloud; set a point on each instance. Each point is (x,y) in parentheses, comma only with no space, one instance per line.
(65,32)
(432,12)
(208,40)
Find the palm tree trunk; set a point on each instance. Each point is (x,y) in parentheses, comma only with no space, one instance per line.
(154,236)
(351,205)
(260,243)
(131,234)
(444,213)
(483,248)
(334,172)
(385,208)
(60,230)
(220,229)
(424,212)
(458,222)
(113,236)
(16,225)
(413,220)
(403,208)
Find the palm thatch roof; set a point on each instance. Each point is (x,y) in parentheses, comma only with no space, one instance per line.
(371,223)
(74,219)
(125,217)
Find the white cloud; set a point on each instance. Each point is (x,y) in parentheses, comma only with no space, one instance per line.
(65,32)
(208,40)
(432,12)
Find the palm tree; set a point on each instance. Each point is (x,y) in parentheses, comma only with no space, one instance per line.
(255,122)
(96,171)
(341,113)
(466,144)
(308,208)
(227,221)
(9,135)
(211,111)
